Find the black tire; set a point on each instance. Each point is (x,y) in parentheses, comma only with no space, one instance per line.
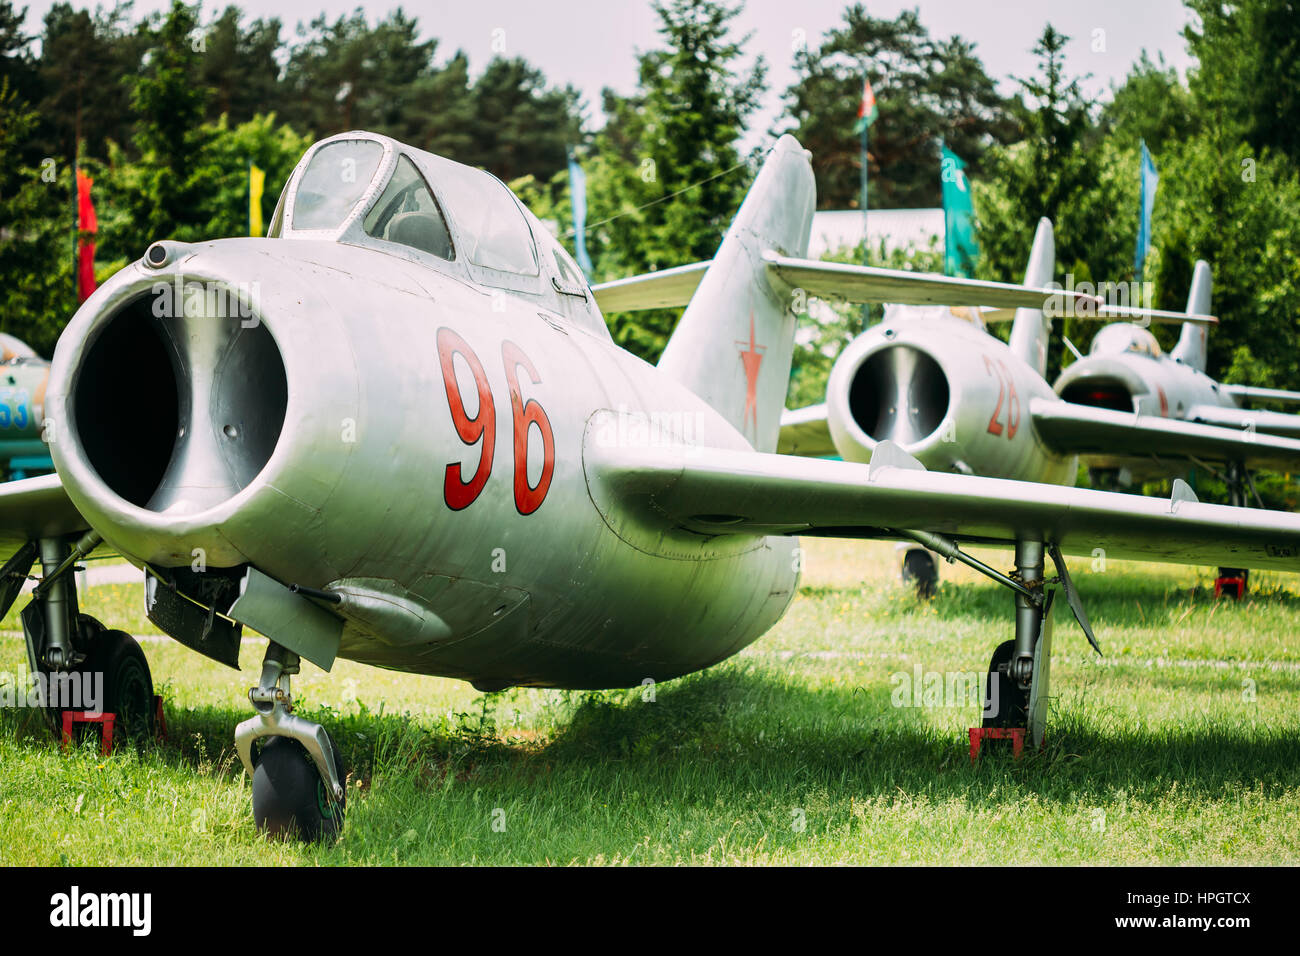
(290,800)
(126,690)
(1012,704)
(128,685)
(921,572)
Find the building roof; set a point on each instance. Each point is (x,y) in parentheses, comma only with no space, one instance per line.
(836,229)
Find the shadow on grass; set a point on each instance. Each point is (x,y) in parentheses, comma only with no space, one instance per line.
(746,732)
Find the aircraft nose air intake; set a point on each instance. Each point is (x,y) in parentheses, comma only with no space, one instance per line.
(179,400)
(900,394)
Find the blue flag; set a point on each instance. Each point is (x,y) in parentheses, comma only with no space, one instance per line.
(578,199)
(1150,179)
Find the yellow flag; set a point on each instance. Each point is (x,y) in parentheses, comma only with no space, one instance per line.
(256,180)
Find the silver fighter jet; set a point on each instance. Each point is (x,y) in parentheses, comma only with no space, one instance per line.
(396,430)
(931,380)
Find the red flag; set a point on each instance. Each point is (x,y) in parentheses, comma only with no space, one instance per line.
(87,226)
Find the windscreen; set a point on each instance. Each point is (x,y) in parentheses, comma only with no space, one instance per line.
(334,180)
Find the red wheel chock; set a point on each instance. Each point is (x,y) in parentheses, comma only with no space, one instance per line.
(106,723)
(980,734)
(1235,588)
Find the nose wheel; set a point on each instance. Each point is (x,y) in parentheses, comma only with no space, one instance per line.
(290,799)
(297,773)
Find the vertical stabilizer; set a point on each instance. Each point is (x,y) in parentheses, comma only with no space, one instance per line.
(1032,328)
(734,342)
(1190,349)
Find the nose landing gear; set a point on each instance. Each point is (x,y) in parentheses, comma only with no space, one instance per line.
(298,772)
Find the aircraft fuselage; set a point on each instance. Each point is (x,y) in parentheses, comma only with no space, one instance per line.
(431,452)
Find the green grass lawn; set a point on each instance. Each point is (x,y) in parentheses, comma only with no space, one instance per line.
(1181,745)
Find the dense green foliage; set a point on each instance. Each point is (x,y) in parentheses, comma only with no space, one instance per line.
(1229,183)
(927,90)
(666,170)
(167,112)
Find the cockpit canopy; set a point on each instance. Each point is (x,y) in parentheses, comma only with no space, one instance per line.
(369,190)
(1120,338)
(334,180)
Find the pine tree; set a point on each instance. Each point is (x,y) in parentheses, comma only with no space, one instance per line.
(927,90)
(666,171)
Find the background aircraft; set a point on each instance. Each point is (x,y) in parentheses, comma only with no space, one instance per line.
(1127,378)
(23,377)
(932,381)
(398,431)
(1126,371)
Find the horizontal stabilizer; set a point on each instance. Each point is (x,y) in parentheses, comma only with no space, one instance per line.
(851,283)
(805,431)
(1249,393)
(667,289)
(1246,419)
(673,288)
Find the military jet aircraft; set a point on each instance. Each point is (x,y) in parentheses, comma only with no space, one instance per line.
(1127,377)
(932,381)
(23,377)
(1127,373)
(397,430)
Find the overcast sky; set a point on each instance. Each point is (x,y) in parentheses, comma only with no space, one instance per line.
(592,43)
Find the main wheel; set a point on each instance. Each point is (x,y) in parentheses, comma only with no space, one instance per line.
(1005,704)
(114,678)
(128,685)
(1230,576)
(921,572)
(290,800)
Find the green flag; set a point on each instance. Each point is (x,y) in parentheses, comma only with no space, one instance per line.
(960,250)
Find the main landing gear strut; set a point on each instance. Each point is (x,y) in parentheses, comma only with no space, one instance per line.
(78,665)
(1018,684)
(1232,581)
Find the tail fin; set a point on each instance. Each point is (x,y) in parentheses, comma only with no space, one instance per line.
(1190,349)
(734,342)
(1032,328)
